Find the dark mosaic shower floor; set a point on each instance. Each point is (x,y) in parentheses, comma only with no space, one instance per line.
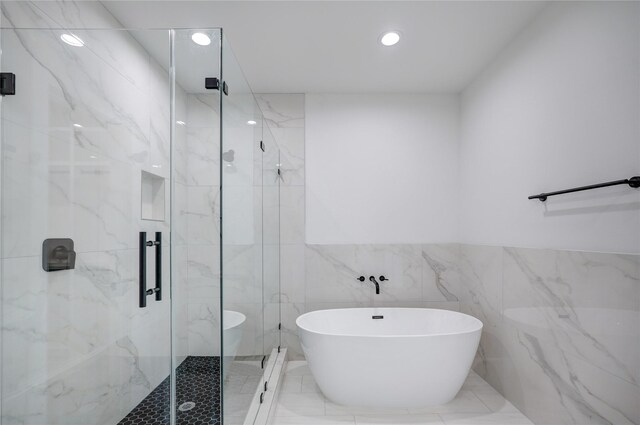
(198,381)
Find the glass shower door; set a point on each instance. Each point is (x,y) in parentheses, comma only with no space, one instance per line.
(125,296)
(242,245)
(271,178)
(85,170)
(196,226)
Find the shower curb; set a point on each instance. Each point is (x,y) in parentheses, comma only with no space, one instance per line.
(266,409)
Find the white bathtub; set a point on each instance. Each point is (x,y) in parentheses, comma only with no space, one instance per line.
(233,324)
(412,357)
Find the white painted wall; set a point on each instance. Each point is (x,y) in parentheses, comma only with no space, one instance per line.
(560,108)
(381,168)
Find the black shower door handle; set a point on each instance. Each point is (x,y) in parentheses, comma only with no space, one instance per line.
(143,245)
(158,244)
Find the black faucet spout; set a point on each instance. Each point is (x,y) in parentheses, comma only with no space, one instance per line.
(375,282)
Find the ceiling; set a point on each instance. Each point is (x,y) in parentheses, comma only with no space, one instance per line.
(332,46)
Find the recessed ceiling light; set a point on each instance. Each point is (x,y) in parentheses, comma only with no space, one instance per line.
(72,40)
(92,156)
(155,166)
(390,38)
(251,122)
(181,123)
(201,38)
(77,125)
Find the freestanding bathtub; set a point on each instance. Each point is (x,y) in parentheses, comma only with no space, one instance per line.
(389,357)
(233,324)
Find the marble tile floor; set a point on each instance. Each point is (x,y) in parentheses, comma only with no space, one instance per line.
(301,403)
(239,387)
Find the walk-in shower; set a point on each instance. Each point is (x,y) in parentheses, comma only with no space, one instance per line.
(113,143)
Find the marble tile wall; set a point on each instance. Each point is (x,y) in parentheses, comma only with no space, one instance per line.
(242,249)
(180,243)
(243,194)
(243,225)
(250,185)
(202,181)
(271,163)
(284,114)
(419,276)
(561,339)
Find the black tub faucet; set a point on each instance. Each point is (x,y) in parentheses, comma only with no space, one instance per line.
(375,282)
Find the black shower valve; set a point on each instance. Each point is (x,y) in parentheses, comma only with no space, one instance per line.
(58,254)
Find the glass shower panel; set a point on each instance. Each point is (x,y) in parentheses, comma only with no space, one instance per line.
(242,265)
(196,223)
(271,179)
(115,179)
(85,169)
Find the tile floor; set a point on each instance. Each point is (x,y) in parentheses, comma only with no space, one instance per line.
(240,385)
(301,403)
(197,381)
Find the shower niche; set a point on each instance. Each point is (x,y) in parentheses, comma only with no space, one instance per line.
(152,196)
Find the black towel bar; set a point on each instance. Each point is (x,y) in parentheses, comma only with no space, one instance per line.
(632,182)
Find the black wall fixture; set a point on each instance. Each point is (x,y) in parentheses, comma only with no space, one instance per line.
(211,83)
(58,254)
(632,182)
(7,84)
(144,244)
